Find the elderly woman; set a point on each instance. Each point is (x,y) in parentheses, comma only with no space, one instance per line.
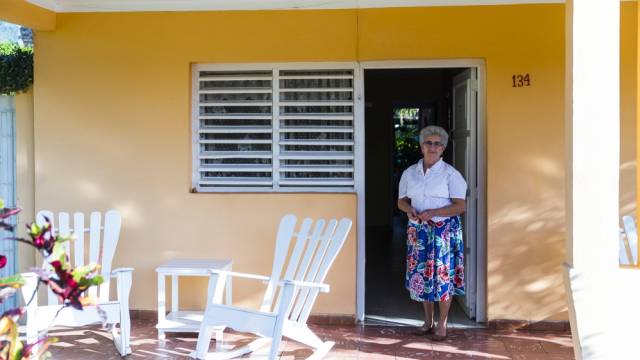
(432,193)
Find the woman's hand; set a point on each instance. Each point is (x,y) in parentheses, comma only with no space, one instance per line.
(426,215)
(404,204)
(413,214)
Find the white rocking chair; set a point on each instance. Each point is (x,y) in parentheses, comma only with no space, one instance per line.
(315,250)
(39,318)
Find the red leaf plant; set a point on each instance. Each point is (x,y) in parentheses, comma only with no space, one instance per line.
(69,284)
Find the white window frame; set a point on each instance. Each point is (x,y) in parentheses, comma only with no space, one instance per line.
(358,129)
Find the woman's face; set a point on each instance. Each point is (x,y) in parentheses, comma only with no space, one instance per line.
(432,148)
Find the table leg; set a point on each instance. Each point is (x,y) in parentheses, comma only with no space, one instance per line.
(161,305)
(229,290)
(174,293)
(219,335)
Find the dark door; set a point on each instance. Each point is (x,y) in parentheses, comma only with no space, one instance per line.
(398,103)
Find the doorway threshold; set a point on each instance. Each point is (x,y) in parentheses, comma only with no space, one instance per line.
(375,320)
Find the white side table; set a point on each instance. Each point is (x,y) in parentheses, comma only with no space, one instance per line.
(185,321)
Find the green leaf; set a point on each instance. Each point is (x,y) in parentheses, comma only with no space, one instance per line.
(90,281)
(16,68)
(16,345)
(87,275)
(63,239)
(83,271)
(60,253)
(97,280)
(35,229)
(14,281)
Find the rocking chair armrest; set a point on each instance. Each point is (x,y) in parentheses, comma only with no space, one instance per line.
(320,286)
(241,275)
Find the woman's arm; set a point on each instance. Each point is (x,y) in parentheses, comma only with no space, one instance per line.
(457,207)
(404,204)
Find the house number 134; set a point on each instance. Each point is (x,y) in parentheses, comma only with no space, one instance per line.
(521,80)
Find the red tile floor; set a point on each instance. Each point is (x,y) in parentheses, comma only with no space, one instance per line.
(370,342)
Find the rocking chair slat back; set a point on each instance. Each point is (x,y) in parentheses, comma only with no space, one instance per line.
(285,233)
(304,267)
(321,248)
(64,229)
(100,252)
(112,222)
(78,246)
(41,220)
(94,243)
(326,259)
(310,260)
(295,257)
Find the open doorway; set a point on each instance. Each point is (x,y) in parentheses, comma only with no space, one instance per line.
(398,103)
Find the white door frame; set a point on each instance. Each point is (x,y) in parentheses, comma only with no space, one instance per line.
(481,271)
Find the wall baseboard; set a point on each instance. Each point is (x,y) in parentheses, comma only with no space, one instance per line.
(545,325)
(316,319)
(349,320)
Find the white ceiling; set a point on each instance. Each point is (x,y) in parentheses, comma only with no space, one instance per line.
(187,5)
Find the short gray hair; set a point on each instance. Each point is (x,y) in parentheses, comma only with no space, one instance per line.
(432,130)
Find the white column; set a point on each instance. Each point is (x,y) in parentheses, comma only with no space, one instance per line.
(592,125)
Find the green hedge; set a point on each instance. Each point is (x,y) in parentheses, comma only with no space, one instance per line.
(16,68)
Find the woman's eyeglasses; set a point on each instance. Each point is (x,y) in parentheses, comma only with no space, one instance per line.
(433,143)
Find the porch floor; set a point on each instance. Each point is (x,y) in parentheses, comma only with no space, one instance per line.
(352,342)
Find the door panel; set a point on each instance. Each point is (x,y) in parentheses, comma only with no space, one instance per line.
(463,139)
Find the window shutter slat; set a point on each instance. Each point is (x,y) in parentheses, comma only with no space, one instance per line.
(235,129)
(317,90)
(327,117)
(235,155)
(317,156)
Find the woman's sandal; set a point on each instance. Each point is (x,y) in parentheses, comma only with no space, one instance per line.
(436,337)
(421,331)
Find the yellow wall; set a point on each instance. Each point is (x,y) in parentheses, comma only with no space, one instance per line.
(628,128)
(112,129)
(525,151)
(26,14)
(25,196)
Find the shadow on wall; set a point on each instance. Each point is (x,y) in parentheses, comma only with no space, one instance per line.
(527,249)
(525,273)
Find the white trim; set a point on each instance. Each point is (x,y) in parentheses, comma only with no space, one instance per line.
(275,126)
(480,65)
(208,5)
(359,128)
(52,5)
(481,204)
(195,129)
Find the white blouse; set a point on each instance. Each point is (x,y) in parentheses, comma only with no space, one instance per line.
(433,189)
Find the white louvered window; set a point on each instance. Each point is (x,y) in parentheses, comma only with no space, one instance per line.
(273,129)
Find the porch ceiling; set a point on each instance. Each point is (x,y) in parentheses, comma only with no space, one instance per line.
(195,5)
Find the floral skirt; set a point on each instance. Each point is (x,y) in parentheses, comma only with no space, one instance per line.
(435,260)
